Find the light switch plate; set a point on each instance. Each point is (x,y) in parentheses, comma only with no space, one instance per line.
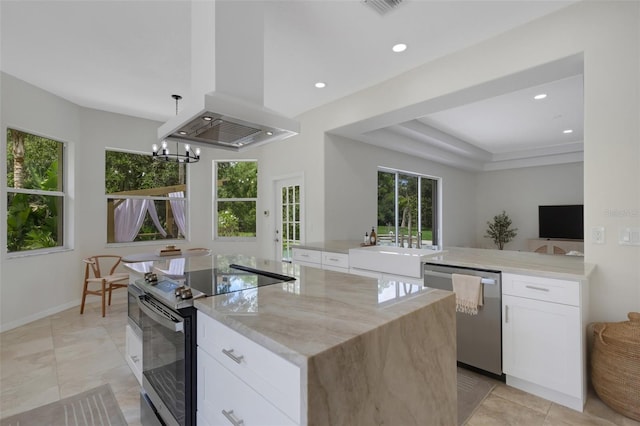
(629,237)
(597,235)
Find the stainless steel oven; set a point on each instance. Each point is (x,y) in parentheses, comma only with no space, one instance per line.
(169,363)
(479,337)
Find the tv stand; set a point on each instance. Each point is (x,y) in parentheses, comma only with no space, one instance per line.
(553,246)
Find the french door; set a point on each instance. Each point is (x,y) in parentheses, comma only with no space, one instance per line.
(289,230)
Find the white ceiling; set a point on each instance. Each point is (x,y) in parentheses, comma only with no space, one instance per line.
(130,56)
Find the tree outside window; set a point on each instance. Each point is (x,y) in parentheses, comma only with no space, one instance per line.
(236,199)
(35,192)
(146,198)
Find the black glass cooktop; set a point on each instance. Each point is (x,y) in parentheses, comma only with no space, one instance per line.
(234,278)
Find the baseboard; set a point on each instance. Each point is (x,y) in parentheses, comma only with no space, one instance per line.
(546,393)
(39,315)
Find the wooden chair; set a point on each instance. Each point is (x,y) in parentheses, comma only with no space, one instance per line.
(108,282)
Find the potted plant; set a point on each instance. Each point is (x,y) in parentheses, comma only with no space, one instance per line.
(500,230)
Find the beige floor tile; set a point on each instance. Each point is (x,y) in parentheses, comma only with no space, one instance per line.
(563,416)
(86,359)
(27,339)
(22,392)
(15,364)
(523,398)
(497,411)
(596,407)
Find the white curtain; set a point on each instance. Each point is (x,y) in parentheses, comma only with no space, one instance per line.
(129,216)
(151,207)
(178,208)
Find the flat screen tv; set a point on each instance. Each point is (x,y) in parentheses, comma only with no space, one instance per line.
(561,222)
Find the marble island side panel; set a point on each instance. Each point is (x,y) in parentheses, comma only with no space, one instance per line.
(363,354)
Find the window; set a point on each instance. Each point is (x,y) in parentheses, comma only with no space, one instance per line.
(407,209)
(146,198)
(235,199)
(35,192)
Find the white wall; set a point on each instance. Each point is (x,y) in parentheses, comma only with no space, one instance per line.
(608,35)
(34,286)
(606,32)
(519,192)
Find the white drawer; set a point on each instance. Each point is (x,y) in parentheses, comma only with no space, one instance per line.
(539,288)
(271,376)
(220,392)
(304,255)
(336,260)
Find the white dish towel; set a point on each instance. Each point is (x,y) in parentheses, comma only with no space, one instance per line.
(468,290)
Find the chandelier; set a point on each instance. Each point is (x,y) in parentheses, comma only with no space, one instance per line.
(189,156)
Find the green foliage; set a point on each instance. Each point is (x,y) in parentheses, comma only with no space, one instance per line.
(500,230)
(32,220)
(227,224)
(39,156)
(237,187)
(128,171)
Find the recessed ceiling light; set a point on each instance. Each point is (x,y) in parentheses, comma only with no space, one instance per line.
(567,131)
(320,85)
(182,132)
(540,96)
(269,133)
(207,118)
(400,47)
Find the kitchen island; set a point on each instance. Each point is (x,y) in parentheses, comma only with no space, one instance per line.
(365,351)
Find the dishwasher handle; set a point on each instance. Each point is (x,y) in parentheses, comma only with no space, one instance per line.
(489,281)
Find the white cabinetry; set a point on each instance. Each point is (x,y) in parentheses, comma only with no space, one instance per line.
(321,259)
(543,337)
(241,381)
(133,349)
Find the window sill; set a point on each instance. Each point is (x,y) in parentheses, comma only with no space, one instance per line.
(39,252)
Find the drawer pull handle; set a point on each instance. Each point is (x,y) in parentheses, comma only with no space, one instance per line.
(333,259)
(304,255)
(533,287)
(506,314)
(230,416)
(231,355)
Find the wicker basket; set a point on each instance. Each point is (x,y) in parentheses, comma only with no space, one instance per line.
(615,365)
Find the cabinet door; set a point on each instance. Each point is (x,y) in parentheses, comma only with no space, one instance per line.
(133,348)
(541,343)
(224,399)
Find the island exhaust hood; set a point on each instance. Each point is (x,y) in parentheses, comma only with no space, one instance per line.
(232,115)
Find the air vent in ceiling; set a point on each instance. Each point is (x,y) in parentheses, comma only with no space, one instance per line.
(382,6)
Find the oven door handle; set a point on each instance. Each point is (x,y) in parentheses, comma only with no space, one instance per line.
(176,326)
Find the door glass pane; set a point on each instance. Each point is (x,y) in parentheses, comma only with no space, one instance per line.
(386,208)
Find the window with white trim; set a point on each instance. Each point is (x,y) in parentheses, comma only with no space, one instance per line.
(235,199)
(146,198)
(408,213)
(35,192)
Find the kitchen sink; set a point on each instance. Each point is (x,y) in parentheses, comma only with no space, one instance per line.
(390,260)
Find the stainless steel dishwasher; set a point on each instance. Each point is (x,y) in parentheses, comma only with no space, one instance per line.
(479,337)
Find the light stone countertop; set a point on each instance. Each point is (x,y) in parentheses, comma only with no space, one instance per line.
(318,311)
(334,246)
(518,262)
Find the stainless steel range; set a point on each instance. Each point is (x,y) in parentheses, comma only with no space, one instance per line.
(168,322)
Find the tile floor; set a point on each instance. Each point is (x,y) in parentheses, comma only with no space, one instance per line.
(68,353)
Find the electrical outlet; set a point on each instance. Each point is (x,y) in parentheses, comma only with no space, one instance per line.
(629,237)
(597,235)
